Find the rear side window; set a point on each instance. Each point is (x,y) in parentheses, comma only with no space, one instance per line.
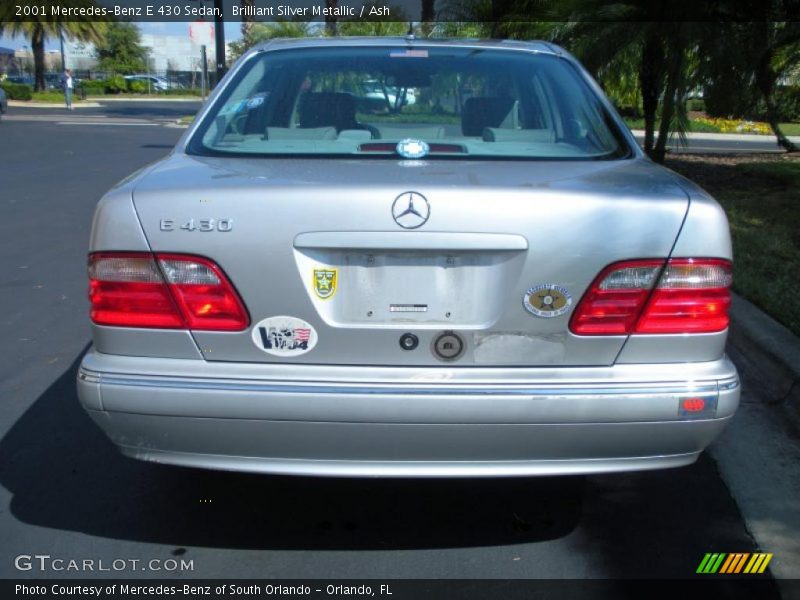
(434,101)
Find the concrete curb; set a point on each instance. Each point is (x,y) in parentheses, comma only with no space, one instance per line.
(766,353)
(165,99)
(75,105)
(96,102)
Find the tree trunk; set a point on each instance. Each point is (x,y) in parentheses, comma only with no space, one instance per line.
(247,24)
(426,16)
(331,27)
(37,46)
(500,10)
(765,81)
(650,78)
(668,104)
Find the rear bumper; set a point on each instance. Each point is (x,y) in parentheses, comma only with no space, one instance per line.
(368,421)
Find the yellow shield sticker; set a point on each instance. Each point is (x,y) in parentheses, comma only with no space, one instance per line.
(325,282)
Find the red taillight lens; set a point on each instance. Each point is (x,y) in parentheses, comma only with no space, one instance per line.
(176,292)
(692,296)
(616,297)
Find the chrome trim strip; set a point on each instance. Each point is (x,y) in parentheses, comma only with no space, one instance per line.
(411,389)
(415,240)
(88,376)
(729,384)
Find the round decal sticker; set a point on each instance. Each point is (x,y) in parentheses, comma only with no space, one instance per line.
(284,336)
(547,300)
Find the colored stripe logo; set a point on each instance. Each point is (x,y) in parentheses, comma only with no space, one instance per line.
(734,563)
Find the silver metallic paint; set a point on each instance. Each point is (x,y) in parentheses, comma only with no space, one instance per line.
(541,401)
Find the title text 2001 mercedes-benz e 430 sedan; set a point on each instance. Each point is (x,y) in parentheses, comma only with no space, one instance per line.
(489,280)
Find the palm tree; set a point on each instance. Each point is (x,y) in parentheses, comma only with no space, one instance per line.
(261,32)
(751,58)
(331,27)
(247,22)
(427,16)
(395,24)
(617,39)
(37,28)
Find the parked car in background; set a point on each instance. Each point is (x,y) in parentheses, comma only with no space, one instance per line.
(376,97)
(54,81)
(21,79)
(492,281)
(158,84)
(3,102)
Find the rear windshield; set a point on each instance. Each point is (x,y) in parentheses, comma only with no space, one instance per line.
(410,102)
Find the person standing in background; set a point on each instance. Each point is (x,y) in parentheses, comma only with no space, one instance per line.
(68,87)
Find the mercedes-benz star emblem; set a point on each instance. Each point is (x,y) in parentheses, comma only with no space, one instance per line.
(411,210)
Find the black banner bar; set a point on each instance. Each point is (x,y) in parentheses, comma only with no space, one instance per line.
(443,11)
(735,587)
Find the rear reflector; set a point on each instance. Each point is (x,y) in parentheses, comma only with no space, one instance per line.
(691,296)
(693,405)
(165,291)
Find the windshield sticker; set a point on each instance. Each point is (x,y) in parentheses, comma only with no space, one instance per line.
(284,336)
(409,54)
(256,101)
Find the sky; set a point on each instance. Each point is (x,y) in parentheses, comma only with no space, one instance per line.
(232,32)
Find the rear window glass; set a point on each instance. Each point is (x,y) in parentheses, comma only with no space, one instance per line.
(411,102)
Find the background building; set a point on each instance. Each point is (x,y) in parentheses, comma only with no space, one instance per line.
(175,53)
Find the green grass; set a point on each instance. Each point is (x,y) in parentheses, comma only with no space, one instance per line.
(186,120)
(762,200)
(52,97)
(790,128)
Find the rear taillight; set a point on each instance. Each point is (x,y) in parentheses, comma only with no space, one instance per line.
(692,296)
(164,291)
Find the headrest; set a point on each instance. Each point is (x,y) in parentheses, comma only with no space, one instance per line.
(328,109)
(481,112)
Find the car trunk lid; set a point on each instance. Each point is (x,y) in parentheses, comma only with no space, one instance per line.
(320,245)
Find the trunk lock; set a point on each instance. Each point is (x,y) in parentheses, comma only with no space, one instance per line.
(408,341)
(448,346)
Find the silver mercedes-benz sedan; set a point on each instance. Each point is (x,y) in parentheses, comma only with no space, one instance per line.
(492,280)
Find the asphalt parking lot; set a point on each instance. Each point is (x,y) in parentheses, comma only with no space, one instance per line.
(64,490)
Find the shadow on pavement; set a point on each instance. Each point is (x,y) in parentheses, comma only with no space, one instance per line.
(64,474)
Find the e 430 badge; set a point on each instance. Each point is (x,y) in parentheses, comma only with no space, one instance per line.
(547,300)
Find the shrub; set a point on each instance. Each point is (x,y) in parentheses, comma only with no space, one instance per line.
(696,104)
(787,103)
(629,111)
(747,103)
(94,87)
(730,99)
(51,96)
(116,84)
(137,87)
(182,92)
(17,91)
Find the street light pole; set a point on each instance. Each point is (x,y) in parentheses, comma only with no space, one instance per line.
(61,39)
(219,39)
